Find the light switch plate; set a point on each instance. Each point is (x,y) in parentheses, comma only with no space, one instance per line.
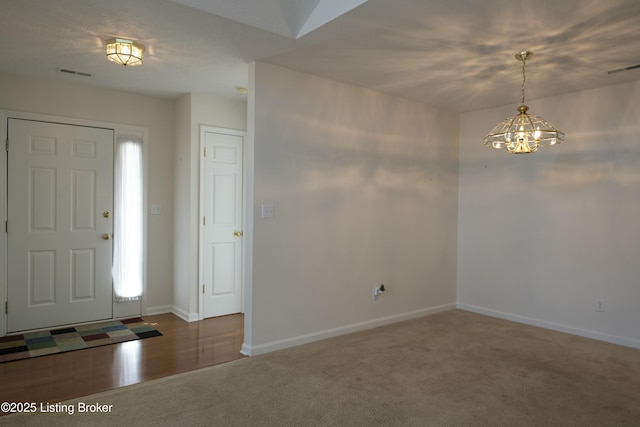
(156,209)
(268,211)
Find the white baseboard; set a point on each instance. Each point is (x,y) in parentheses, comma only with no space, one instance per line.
(550,325)
(187,317)
(245,350)
(255,350)
(162,309)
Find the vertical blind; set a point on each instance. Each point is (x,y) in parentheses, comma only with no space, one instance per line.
(128,275)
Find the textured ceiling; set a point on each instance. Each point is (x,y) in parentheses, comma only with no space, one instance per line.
(453,54)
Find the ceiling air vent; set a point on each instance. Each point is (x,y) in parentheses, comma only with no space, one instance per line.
(77,73)
(619,70)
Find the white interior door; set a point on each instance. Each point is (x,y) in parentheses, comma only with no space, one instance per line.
(221,226)
(60,200)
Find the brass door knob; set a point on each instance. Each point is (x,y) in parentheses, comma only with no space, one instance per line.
(106,236)
(238,233)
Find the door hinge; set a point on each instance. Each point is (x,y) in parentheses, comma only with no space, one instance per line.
(6,145)
(204,220)
(203,288)
(205,151)
(6,226)
(6,307)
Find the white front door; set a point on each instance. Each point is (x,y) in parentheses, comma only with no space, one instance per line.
(59,212)
(221,222)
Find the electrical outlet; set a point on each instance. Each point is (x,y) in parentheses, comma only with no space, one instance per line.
(377,291)
(600,305)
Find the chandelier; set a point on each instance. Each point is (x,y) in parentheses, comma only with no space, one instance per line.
(523,133)
(124,52)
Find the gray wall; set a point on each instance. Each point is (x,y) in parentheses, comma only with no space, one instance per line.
(543,237)
(365,192)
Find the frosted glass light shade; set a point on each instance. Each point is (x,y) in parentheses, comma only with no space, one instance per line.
(124,52)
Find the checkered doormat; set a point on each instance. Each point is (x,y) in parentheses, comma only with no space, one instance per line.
(33,344)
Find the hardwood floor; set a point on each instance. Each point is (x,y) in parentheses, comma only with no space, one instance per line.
(183,347)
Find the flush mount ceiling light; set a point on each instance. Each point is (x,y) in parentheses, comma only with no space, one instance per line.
(124,52)
(523,133)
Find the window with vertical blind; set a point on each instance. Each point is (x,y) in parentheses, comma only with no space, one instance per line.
(128,247)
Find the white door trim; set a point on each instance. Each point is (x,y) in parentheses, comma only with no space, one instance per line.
(246,237)
(119,129)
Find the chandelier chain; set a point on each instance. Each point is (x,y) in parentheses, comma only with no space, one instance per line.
(524,78)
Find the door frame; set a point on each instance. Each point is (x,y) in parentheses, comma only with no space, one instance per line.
(243,260)
(120,310)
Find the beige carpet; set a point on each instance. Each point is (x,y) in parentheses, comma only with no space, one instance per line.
(450,369)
